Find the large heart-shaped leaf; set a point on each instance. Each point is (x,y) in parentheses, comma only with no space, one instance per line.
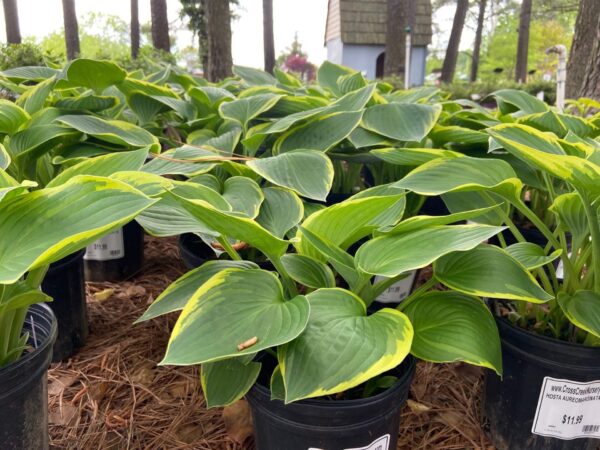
(581,173)
(530,255)
(583,309)
(489,271)
(342,347)
(419,222)
(12,117)
(450,326)
(44,226)
(511,100)
(113,131)
(176,296)
(244,195)
(92,103)
(169,218)
(237,312)
(401,121)
(281,211)
(320,134)
(443,175)
(225,382)
(571,216)
(254,77)
(329,73)
(30,73)
(34,98)
(392,255)
(345,223)
(308,271)
(104,165)
(306,172)
(244,110)
(38,139)
(181,161)
(94,74)
(412,156)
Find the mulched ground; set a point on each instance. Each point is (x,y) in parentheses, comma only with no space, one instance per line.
(111,395)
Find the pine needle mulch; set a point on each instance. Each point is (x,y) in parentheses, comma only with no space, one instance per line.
(112,395)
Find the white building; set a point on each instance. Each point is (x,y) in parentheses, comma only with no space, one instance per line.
(355,36)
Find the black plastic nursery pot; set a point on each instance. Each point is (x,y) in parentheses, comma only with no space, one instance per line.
(334,198)
(117,256)
(434,206)
(65,283)
(24,387)
(193,251)
(549,396)
(316,424)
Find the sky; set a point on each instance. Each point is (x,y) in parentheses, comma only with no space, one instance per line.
(306,17)
(39,18)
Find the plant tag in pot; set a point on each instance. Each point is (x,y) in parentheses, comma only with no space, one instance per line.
(107,248)
(568,409)
(397,291)
(382,443)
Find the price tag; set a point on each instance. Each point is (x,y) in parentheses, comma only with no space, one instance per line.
(107,248)
(397,291)
(568,409)
(382,443)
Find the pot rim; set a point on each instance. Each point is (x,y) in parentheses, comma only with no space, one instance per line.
(69,259)
(36,353)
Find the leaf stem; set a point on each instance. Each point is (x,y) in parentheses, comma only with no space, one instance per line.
(417,293)
(594,224)
(233,254)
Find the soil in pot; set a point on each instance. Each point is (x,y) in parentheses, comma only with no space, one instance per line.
(117,256)
(23,387)
(367,423)
(549,396)
(65,283)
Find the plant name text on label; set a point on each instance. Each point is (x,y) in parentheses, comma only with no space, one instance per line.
(381,443)
(107,248)
(568,409)
(397,291)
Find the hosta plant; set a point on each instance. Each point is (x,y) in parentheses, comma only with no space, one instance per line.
(311,311)
(569,306)
(43,226)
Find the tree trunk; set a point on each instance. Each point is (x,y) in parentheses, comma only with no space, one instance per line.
(477,43)
(400,14)
(135,29)
(218,29)
(451,57)
(203,39)
(11,19)
(71,29)
(160,25)
(268,40)
(583,70)
(523,42)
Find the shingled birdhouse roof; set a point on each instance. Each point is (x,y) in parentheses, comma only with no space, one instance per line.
(365,22)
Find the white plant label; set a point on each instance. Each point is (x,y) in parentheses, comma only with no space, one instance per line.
(397,291)
(107,248)
(382,443)
(568,409)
